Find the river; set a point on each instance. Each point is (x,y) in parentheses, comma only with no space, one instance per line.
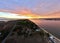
(51,26)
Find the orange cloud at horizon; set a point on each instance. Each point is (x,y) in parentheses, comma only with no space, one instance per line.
(24,12)
(53,15)
(28,13)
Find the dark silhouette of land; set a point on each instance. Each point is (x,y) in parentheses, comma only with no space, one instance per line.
(50,18)
(22,31)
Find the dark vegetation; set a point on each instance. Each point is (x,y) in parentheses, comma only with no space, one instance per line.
(24,29)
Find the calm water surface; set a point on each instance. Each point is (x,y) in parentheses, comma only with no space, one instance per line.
(52,26)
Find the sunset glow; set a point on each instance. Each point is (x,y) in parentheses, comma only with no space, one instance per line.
(31,8)
(17,16)
(12,16)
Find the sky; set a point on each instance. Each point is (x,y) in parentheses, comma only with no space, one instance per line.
(45,8)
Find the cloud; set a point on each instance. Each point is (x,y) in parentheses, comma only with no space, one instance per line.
(53,15)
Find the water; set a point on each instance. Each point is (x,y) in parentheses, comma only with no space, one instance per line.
(52,26)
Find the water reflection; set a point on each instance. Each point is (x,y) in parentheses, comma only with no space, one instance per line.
(52,26)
